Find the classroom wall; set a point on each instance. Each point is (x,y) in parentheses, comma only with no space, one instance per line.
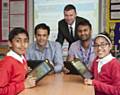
(31,19)
(104,24)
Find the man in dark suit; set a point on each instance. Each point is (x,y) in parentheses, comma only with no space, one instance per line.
(67,27)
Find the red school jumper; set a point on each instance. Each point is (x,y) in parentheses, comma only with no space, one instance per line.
(12,76)
(107,81)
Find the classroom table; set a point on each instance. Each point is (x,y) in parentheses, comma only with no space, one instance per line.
(60,84)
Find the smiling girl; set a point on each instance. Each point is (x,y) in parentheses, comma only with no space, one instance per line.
(105,69)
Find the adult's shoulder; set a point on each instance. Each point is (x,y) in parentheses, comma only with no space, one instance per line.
(61,22)
(32,45)
(75,44)
(54,43)
(80,18)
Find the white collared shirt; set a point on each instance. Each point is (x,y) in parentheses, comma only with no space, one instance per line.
(103,61)
(16,56)
(73,27)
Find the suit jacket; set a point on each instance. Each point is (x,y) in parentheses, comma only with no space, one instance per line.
(63,31)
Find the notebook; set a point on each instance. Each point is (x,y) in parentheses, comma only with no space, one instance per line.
(41,70)
(34,63)
(77,67)
(71,69)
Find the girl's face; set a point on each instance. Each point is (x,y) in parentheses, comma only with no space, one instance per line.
(102,47)
(19,43)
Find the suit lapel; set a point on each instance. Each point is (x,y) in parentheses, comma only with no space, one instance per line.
(76,27)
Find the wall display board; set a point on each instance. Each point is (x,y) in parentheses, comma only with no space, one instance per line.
(4,20)
(13,13)
(113,21)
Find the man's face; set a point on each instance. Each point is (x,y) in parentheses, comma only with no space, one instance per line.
(84,32)
(70,16)
(42,37)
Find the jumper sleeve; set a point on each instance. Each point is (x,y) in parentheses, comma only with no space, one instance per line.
(106,88)
(112,88)
(7,87)
(92,67)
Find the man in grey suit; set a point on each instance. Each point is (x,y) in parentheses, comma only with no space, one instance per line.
(67,27)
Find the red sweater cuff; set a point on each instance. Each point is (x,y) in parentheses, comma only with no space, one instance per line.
(19,87)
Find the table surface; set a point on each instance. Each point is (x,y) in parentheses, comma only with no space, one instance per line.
(60,84)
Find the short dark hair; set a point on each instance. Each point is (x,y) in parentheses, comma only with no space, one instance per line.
(85,22)
(42,26)
(69,7)
(15,31)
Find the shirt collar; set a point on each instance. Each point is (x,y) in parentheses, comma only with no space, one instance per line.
(73,25)
(106,59)
(90,45)
(36,45)
(16,56)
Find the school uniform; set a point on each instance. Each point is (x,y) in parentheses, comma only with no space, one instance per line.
(85,55)
(106,73)
(12,74)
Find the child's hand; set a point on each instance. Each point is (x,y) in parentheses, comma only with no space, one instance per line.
(88,81)
(30,82)
(65,70)
(51,63)
(29,69)
(52,72)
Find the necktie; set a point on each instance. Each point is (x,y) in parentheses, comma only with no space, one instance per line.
(71,32)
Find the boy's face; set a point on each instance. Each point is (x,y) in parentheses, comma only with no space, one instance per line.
(102,47)
(42,37)
(19,43)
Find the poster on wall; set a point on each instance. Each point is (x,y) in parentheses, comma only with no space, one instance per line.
(113,22)
(5,20)
(51,11)
(13,13)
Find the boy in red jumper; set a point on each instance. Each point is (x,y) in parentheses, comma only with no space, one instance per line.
(105,69)
(13,67)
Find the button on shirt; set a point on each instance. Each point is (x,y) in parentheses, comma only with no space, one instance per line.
(76,50)
(52,52)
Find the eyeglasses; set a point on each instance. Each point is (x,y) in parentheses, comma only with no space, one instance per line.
(103,45)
